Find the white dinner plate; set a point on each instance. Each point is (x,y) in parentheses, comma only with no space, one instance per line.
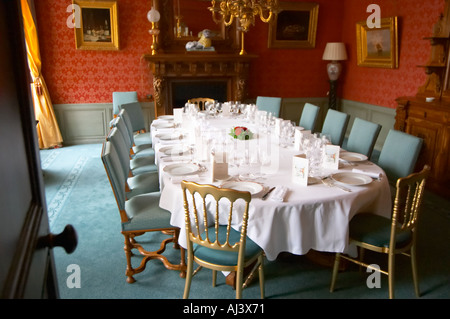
(175,150)
(253,188)
(354,179)
(353,157)
(166,117)
(181,169)
(168,136)
(163,125)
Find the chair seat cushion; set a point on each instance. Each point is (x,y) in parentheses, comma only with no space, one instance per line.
(143,139)
(143,183)
(226,258)
(376,230)
(144,213)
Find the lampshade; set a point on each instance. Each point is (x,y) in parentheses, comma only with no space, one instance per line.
(335,51)
(153,15)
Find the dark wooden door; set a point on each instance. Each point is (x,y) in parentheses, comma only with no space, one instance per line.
(26,261)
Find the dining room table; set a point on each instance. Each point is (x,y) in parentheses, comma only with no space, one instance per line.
(284,216)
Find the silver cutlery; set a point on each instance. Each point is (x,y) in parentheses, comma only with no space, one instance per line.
(268,192)
(331,184)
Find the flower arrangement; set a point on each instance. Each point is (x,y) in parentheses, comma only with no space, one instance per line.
(241,133)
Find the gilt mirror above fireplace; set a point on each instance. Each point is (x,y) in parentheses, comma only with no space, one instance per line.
(182,20)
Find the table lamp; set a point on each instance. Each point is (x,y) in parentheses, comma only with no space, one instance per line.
(334,52)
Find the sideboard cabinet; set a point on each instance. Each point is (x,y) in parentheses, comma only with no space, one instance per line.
(431,122)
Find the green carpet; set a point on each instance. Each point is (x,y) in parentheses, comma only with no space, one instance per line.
(78,193)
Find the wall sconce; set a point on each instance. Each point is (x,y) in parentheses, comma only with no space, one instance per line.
(334,52)
(153,16)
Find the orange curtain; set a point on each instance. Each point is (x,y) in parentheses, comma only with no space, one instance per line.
(48,131)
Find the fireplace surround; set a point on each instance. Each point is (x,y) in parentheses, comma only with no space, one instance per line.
(170,69)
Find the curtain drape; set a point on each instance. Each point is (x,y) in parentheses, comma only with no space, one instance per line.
(48,131)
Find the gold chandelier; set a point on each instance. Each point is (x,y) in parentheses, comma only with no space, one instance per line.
(243,11)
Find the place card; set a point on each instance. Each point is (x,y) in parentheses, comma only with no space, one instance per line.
(219,166)
(278,126)
(298,137)
(178,115)
(226,108)
(331,157)
(300,169)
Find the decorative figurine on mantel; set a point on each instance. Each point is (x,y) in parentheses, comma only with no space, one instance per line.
(203,44)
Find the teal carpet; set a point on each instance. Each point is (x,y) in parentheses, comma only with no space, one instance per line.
(78,193)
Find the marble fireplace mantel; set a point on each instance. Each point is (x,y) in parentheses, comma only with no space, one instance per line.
(167,68)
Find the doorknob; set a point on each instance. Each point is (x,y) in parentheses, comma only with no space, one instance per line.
(67,239)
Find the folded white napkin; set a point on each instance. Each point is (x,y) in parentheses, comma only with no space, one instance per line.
(190,178)
(279,193)
(373,175)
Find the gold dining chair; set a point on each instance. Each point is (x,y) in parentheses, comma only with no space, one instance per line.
(201,102)
(218,246)
(397,235)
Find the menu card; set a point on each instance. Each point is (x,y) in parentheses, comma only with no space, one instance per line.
(331,158)
(219,166)
(300,170)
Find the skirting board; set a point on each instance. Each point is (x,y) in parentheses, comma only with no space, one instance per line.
(89,123)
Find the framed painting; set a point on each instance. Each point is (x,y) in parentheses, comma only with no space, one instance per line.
(295,26)
(378,47)
(98,28)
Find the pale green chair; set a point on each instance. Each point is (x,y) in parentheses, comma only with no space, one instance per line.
(138,215)
(139,141)
(308,118)
(335,125)
(269,104)
(219,247)
(136,152)
(363,136)
(140,179)
(120,98)
(399,154)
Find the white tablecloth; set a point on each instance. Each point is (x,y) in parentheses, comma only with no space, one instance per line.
(311,217)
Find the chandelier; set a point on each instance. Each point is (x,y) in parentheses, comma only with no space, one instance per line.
(244,11)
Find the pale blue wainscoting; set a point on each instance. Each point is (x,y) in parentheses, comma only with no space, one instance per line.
(291,109)
(89,123)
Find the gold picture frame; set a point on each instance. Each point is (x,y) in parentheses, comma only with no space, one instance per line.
(295,26)
(98,28)
(378,47)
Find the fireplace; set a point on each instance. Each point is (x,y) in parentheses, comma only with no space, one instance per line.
(181,90)
(212,75)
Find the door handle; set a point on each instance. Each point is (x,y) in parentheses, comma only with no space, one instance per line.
(67,239)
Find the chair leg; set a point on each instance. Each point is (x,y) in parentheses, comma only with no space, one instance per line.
(129,271)
(261,276)
(239,283)
(414,271)
(335,271)
(189,274)
(214,277)
(391,274)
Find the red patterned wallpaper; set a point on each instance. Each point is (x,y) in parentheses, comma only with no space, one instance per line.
(77,76)
(382,86)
